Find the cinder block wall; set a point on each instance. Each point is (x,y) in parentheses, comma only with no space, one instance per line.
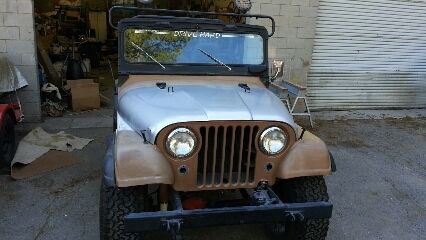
(17,43)
(295,32)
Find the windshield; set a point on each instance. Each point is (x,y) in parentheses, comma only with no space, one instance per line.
(192,47)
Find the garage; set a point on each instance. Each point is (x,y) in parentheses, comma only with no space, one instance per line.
(369,54)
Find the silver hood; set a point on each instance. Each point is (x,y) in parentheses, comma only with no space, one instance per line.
(150,109)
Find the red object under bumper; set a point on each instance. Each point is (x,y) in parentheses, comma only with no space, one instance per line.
(10,109)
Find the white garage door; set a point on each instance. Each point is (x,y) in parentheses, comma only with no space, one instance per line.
(369,54)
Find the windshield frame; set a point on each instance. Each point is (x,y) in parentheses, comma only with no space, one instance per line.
(189,24)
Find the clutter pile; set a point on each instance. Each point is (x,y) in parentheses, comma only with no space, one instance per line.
(72,40)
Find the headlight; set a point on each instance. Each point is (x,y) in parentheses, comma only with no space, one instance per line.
(273,141)
(181,142)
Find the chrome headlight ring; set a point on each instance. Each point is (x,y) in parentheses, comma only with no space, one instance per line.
(181,142)
(273,141)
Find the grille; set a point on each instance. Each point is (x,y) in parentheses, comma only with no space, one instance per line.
(227,155)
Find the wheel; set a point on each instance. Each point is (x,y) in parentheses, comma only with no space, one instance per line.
(7,142)
(115,204)
(299,190)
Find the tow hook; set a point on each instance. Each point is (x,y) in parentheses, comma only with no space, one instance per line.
(261,196)
(174,226)
(295,217)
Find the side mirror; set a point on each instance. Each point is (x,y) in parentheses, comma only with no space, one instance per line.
(277,69)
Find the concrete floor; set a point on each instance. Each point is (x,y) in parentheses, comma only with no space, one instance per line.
(379,190)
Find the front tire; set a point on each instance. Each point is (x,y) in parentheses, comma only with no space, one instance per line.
(299,190)
(115,204)
(7,142)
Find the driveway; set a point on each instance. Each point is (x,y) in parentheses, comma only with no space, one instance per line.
(379,190)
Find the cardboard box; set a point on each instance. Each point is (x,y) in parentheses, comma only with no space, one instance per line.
(84,94)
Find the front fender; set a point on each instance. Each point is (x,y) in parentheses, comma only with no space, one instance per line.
(139,163)
(309,156)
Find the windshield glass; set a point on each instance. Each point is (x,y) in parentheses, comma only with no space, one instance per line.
(192,47)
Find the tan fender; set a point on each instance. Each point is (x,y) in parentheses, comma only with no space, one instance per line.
(138,163)
(308,157)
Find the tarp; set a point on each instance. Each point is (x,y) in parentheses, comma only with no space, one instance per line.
(11,78)
(41,152)
(38,142)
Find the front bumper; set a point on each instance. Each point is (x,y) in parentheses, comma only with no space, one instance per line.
(150,221)
(270,212)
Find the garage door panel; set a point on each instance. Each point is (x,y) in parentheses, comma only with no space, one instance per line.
(369,54)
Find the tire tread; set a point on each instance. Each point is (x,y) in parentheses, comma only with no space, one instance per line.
(115,203)
(299,190)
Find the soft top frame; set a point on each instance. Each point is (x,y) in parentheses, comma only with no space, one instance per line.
(181,13)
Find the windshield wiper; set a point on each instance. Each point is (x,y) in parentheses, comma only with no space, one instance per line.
(215,59)
(152,58)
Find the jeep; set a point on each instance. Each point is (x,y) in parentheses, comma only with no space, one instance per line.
(199,138)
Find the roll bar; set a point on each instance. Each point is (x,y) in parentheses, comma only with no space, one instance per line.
(189,13)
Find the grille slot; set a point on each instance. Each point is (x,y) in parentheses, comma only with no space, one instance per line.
(227,155)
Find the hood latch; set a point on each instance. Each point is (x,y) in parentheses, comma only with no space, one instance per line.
(245,87)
